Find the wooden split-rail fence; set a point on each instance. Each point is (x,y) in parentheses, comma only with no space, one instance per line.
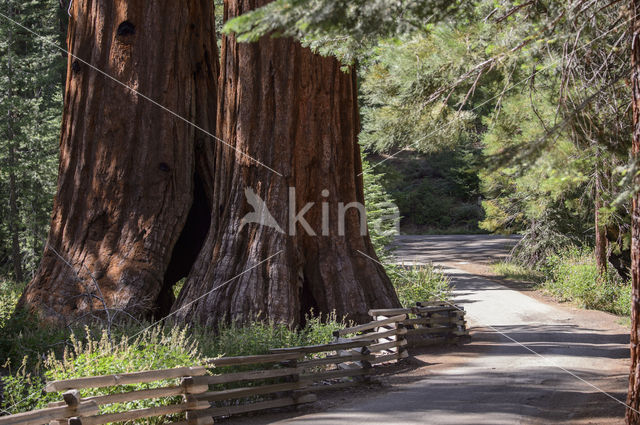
(234,385)
(428,323)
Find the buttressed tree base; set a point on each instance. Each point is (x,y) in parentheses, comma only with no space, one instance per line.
(145,199)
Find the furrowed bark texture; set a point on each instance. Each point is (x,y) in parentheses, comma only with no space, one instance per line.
(127,173)
(296,112)
(633,397)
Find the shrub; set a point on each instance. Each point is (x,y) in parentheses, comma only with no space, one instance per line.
(572,275)
(383,216)
(516,271)
(419,283)
(88,356)
(92,353)
(9,294)
(258,337)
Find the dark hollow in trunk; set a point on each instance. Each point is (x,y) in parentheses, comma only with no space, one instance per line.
(297,113)
(127,168)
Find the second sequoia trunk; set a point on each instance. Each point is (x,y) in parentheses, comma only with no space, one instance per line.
(133,178)
(292,117)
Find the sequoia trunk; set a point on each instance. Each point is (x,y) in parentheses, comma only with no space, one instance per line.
(633,397)
(292,117)
(133,177)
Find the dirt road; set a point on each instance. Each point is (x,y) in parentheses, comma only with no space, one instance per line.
(532,361)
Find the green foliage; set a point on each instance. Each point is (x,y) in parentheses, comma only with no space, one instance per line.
(383,216)
(436,193)
(572,275)
(23,389)
(23,335)
(342,28)
(544,198)
(31,77)
(158,349)
(9,295)
(258,337)
(90,356)
(419,284)
(91,352)
(515,271)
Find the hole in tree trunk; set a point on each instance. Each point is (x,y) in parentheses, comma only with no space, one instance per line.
(187,247)
(307,303)
(126,28)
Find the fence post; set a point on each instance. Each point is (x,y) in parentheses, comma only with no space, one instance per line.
(190,388)
(402,350)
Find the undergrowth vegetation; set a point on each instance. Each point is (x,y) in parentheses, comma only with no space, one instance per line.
(572,275)
(419,283)
(91,352)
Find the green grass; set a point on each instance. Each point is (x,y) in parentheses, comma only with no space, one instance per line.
(514,271)
(90,352)
(419,283)
(572,275)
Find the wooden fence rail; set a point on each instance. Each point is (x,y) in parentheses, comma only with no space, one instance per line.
(285,377)
(429,323)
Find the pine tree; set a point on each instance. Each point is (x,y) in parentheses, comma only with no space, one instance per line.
(31,98)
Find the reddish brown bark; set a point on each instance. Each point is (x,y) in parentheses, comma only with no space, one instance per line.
(633,397)
(127,173)
(297,113)
(601,231)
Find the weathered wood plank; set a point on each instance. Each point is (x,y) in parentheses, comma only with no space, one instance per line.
(321,348)
(371,325)
(378,335)
(41,416)
(257,359)
(137,414)
(334,374)
(427,331)
(124,379)
(386,345)
(246,376)
(248,391)
(244,408)
(136,395)
(351,357)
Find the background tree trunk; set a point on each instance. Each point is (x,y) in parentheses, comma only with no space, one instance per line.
(297,113)
(130,187)
(600,229)
(633,397)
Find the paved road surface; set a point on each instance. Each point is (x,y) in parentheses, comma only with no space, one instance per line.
(448,249)
(495,380)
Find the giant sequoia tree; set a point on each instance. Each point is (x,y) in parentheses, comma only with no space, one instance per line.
(127,175)
(139,189)
(296,111)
